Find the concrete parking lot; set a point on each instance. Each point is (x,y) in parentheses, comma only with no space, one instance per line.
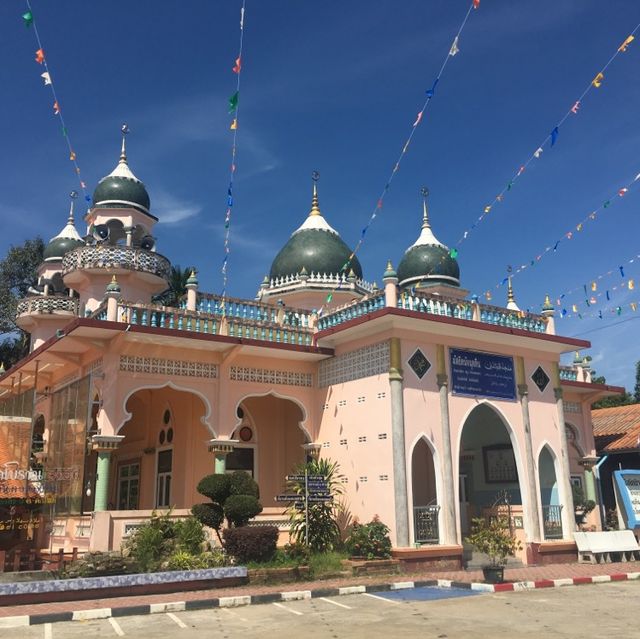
(583,611)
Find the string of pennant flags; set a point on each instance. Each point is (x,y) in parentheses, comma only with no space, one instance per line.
(419,118)
(552,137)
(568,235)
(595,284)
(234,112)
(40,57)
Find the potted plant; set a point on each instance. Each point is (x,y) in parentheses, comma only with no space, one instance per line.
(492,537)
(581,506)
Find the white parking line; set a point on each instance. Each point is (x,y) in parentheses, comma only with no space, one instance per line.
(116,627)
(294,612)
(176,619)
(48,631)
(233,613)
(368,594)
(335,603)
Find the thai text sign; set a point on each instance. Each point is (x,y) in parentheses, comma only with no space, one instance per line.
(482,374)
(627,484)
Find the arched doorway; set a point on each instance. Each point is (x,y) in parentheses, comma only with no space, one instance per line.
(163,455)
(488,474)
(551,507)
(271,439)
(423,484)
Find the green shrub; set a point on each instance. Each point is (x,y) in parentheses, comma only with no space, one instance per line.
(182,560)
(210,515)
(233,496)
(189,535)
(153,541)
(369,540)
(216,487)
(239,509)
(241,483)
(249,543)
(323,529)
(299,553)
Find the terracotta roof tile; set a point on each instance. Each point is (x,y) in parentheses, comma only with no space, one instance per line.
(616,429)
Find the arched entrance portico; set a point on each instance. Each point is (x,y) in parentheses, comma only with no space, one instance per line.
(270,437)
(488,472)
(163,454)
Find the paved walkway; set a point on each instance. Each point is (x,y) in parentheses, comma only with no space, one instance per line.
(519,578)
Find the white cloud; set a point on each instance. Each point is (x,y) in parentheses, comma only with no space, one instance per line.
(171,210)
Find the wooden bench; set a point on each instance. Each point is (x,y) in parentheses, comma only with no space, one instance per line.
(606,546)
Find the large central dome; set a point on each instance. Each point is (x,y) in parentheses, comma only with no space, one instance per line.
(316,248)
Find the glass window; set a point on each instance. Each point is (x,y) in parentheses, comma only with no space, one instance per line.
(128,486)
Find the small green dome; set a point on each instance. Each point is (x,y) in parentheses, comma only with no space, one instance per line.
(67,240)
(428,261)
(122,189)
(315,247)
(58,247)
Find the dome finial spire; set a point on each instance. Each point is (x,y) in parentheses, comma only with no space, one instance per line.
(424,191)
(123,153)
(73,196)
(511,299)
(315,207)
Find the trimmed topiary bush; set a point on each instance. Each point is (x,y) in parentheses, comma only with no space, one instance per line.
(250,543)
(233,496)
(239,509)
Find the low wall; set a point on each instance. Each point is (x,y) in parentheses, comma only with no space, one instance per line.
(429,558)
(120,585)
(552,552)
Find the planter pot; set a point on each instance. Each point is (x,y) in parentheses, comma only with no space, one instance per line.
(493,574)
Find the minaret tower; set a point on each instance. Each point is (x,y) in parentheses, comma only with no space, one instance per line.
(118,242)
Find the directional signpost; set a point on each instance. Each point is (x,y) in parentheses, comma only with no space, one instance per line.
(315,490)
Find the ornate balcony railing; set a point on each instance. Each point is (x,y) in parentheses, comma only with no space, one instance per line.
(439,305)
(568,374)
(105,256)
(351,311)
(284,329)
(246,310)
(436,305)
(425,524)
(47,304)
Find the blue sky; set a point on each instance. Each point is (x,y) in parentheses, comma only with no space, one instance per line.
(335,86)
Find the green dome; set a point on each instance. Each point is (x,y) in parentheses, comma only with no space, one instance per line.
(122,189)
(58,247)
(317,248)
(428,265)
(428,261)
(67,240)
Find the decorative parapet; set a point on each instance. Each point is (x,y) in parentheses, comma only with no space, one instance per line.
(568,374)
(430,304)
(300,281)
(352,310)
(108,257)
(279,325)
(47,305)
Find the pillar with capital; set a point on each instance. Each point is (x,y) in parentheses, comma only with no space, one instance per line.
(104,445)
(220,449)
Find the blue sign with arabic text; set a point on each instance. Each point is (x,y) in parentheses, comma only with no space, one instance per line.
(482,374)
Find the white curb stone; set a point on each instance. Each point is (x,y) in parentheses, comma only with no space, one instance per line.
(294,595)
(402,585)
(96,613)
(232,602)
(352,590)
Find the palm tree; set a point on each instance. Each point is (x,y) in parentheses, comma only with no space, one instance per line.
(177,286)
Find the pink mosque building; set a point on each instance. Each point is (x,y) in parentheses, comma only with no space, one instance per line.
(437,407)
